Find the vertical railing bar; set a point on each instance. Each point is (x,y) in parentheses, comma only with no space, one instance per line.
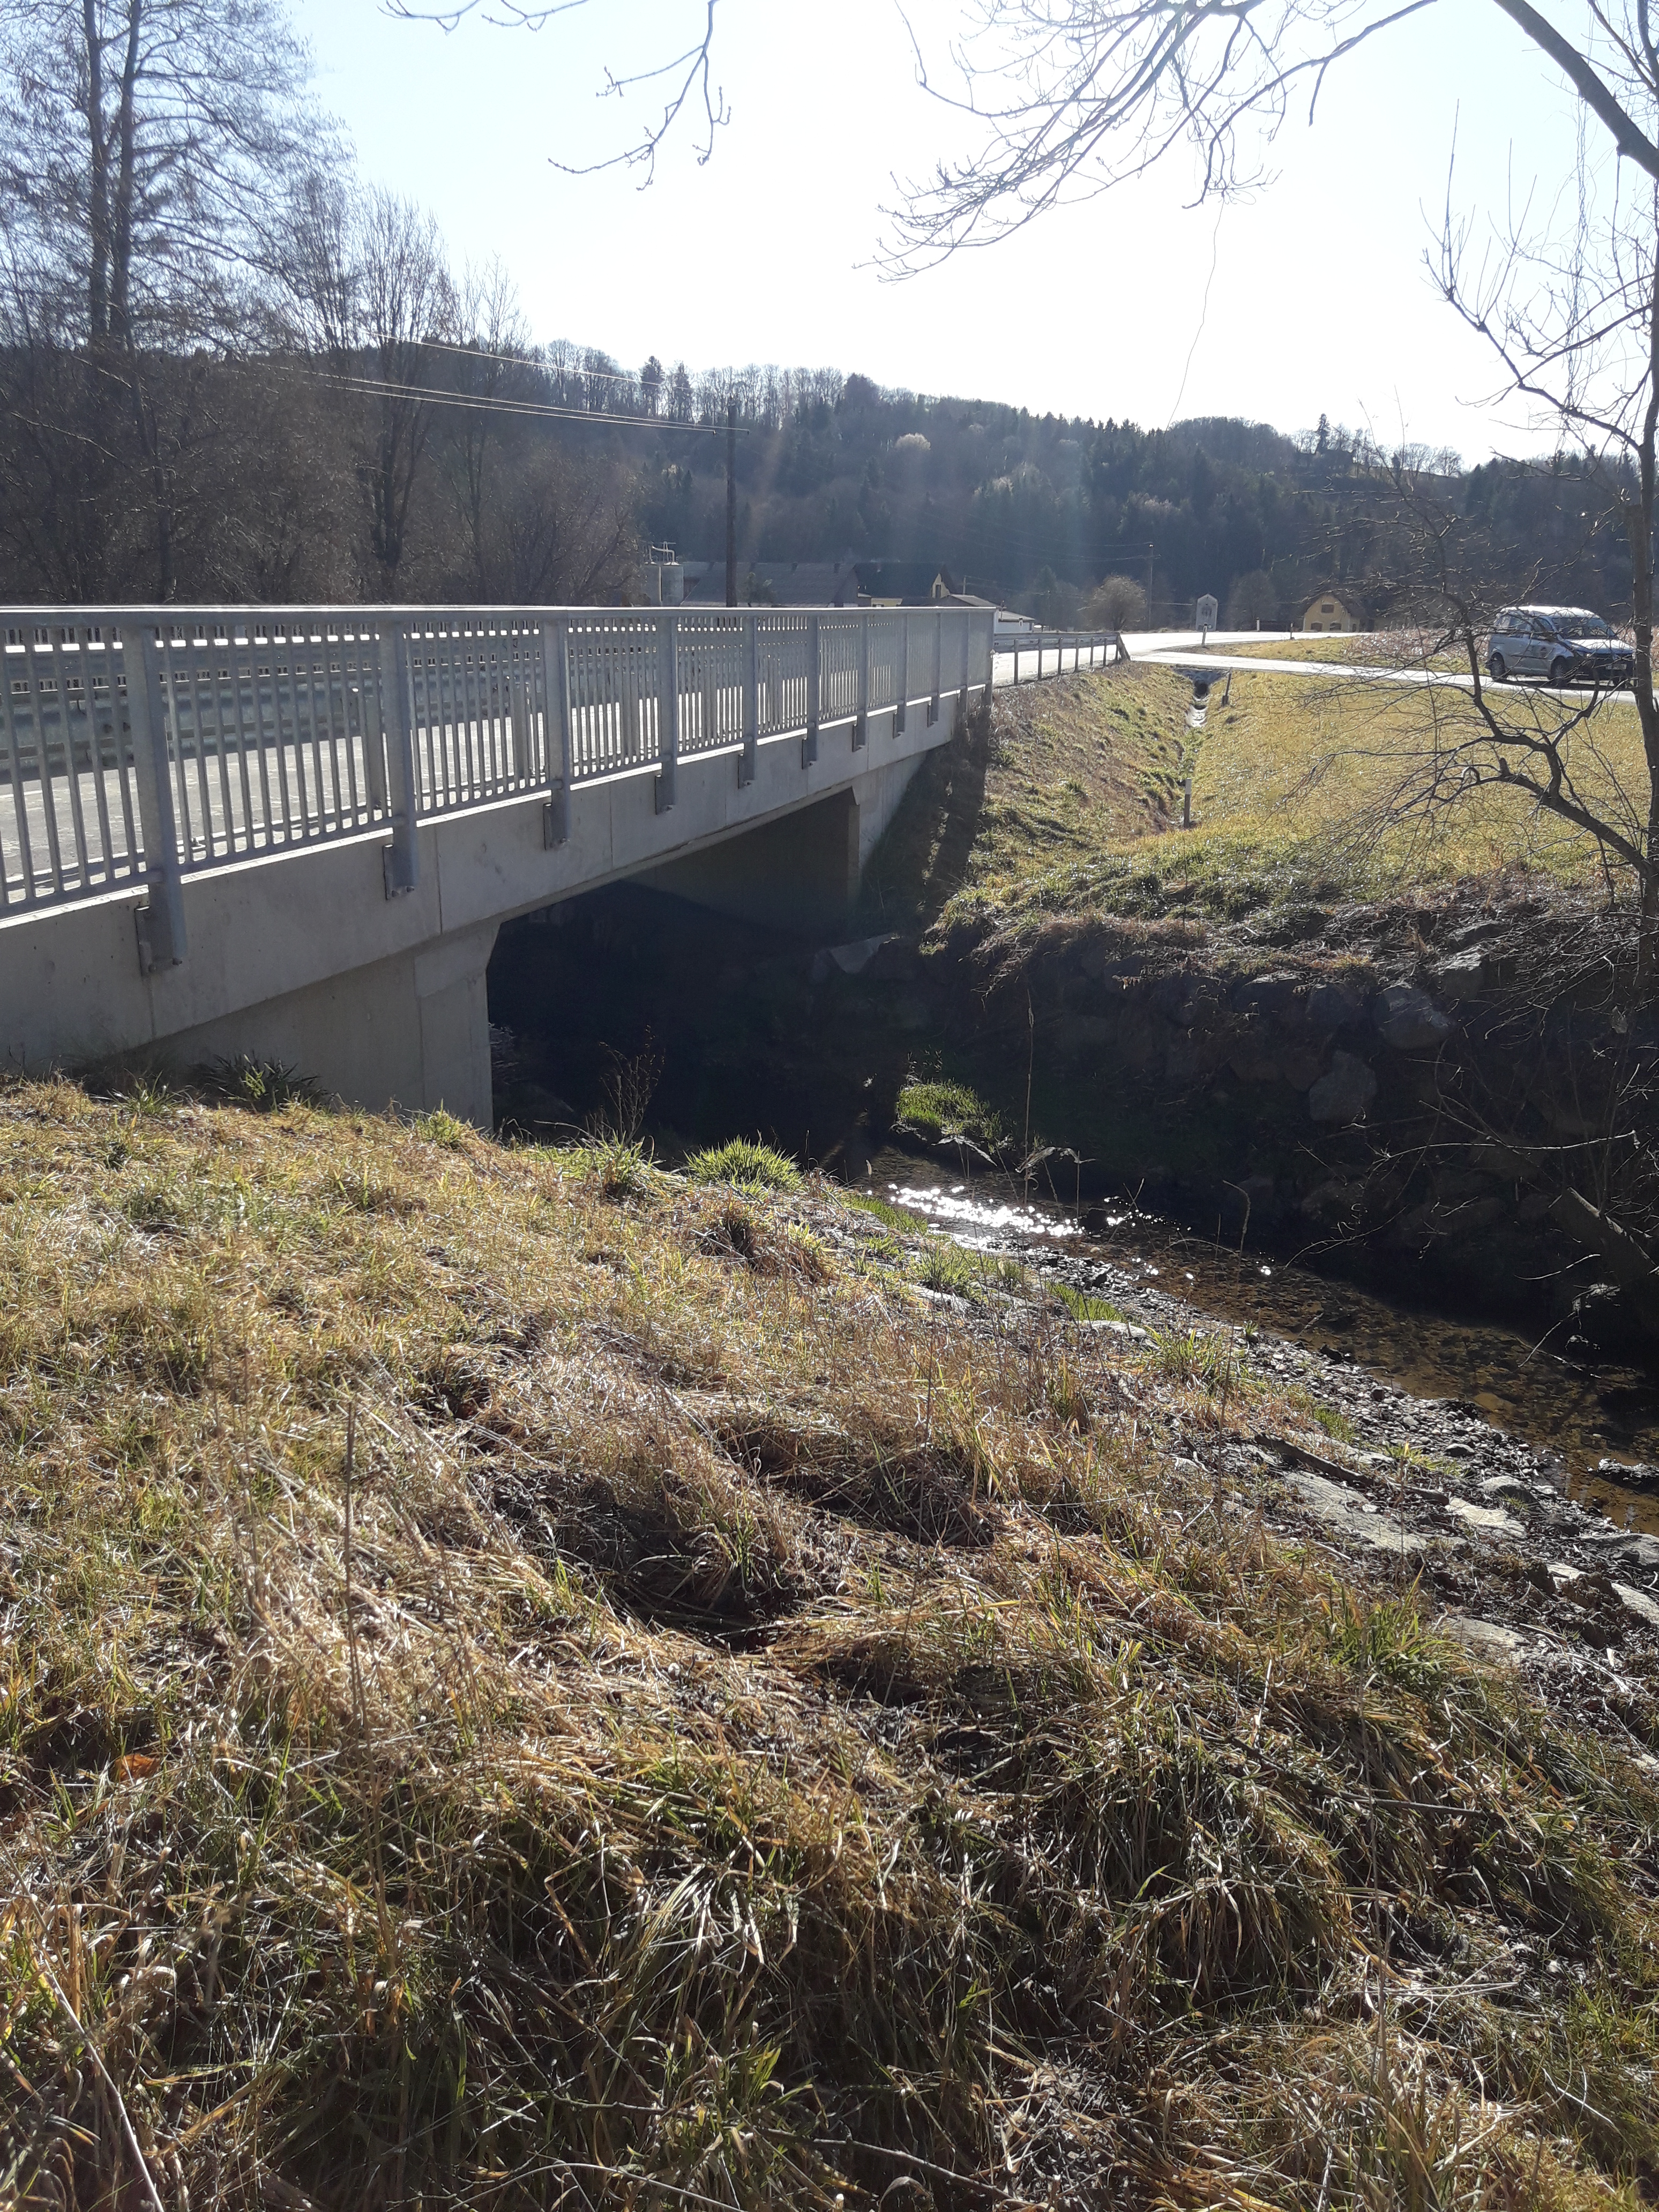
(749,759)
(277,748)
(324,759)
(249,822)
(939,647)
(48,803)
(339,728)
(668,710)
(402,861)
(169,649)
(77,810)
(203,672)
(163,940)
(260,825)
(322,725)
(556,688)
(902,714)
(861,722)
(302,790)
(808,751)
(19,805)
(123,766)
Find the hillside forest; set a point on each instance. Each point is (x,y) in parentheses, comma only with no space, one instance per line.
(233,370)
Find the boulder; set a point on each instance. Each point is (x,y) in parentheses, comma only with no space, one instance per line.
(1639,1602)
(1343,1092)
(1334,1005)
(1408,1018)
(1462,976)
(1275,996)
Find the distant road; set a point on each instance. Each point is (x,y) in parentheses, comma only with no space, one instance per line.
(1143,645)
(1171,649)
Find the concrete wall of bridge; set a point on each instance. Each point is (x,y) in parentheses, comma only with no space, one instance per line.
(303,959)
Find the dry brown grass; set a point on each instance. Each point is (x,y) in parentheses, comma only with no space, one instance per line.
(528,1681)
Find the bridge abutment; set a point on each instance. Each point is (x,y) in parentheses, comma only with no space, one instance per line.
(411,1031)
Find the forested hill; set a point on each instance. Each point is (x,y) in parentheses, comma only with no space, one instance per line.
(1039,509)
(476,467)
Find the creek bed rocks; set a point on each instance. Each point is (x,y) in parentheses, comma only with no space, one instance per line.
(1418,1493)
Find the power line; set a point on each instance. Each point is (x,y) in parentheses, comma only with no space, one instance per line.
(386,387)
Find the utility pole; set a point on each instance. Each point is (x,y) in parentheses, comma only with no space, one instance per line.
(732,501)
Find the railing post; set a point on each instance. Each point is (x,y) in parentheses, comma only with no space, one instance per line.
(555,694)
(990,655)
(861,723)
(967,644)
(668,710)
(903,672)
(939,648)
(809,748)
(160,924)
(748,758)
(402,860)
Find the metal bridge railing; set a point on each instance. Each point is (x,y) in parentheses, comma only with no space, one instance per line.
(140,744)
(1044,651)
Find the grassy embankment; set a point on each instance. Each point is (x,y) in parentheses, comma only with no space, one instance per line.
(528,1680)
(1073,804)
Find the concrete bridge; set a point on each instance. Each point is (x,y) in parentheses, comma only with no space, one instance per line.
(295,832)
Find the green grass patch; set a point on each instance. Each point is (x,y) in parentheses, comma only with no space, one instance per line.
(937,1109)
(745,1162)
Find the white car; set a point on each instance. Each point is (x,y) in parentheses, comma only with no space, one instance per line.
(1558,645)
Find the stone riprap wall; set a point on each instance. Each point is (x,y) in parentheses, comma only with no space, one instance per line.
(1464,1094)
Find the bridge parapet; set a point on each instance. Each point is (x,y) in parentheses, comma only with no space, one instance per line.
(141,745)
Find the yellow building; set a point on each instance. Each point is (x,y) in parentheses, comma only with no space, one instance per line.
(1327,611)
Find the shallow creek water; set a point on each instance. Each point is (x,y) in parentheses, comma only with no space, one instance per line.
(1581,1411)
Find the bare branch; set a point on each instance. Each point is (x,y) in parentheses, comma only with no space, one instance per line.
(689,76)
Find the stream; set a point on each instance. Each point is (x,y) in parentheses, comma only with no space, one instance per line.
(1583,1410)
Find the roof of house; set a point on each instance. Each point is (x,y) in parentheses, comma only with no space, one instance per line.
(789,583)
(1345,598)
(822,583)
(907,581)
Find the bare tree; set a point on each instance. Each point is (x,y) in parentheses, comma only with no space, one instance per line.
(143,145)
(1075,96)
(369,275)
(1117,603)
(491,368)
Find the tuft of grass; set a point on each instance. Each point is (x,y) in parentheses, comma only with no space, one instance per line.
(882,1209)
(1336,1425)
(512,1698)
(745,1162)
(938,1110)
(442,1127)
(1083,1306)
(265,1086)
(1201,1356)
(619,1167)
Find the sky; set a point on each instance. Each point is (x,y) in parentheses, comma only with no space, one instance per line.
(1311,298)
